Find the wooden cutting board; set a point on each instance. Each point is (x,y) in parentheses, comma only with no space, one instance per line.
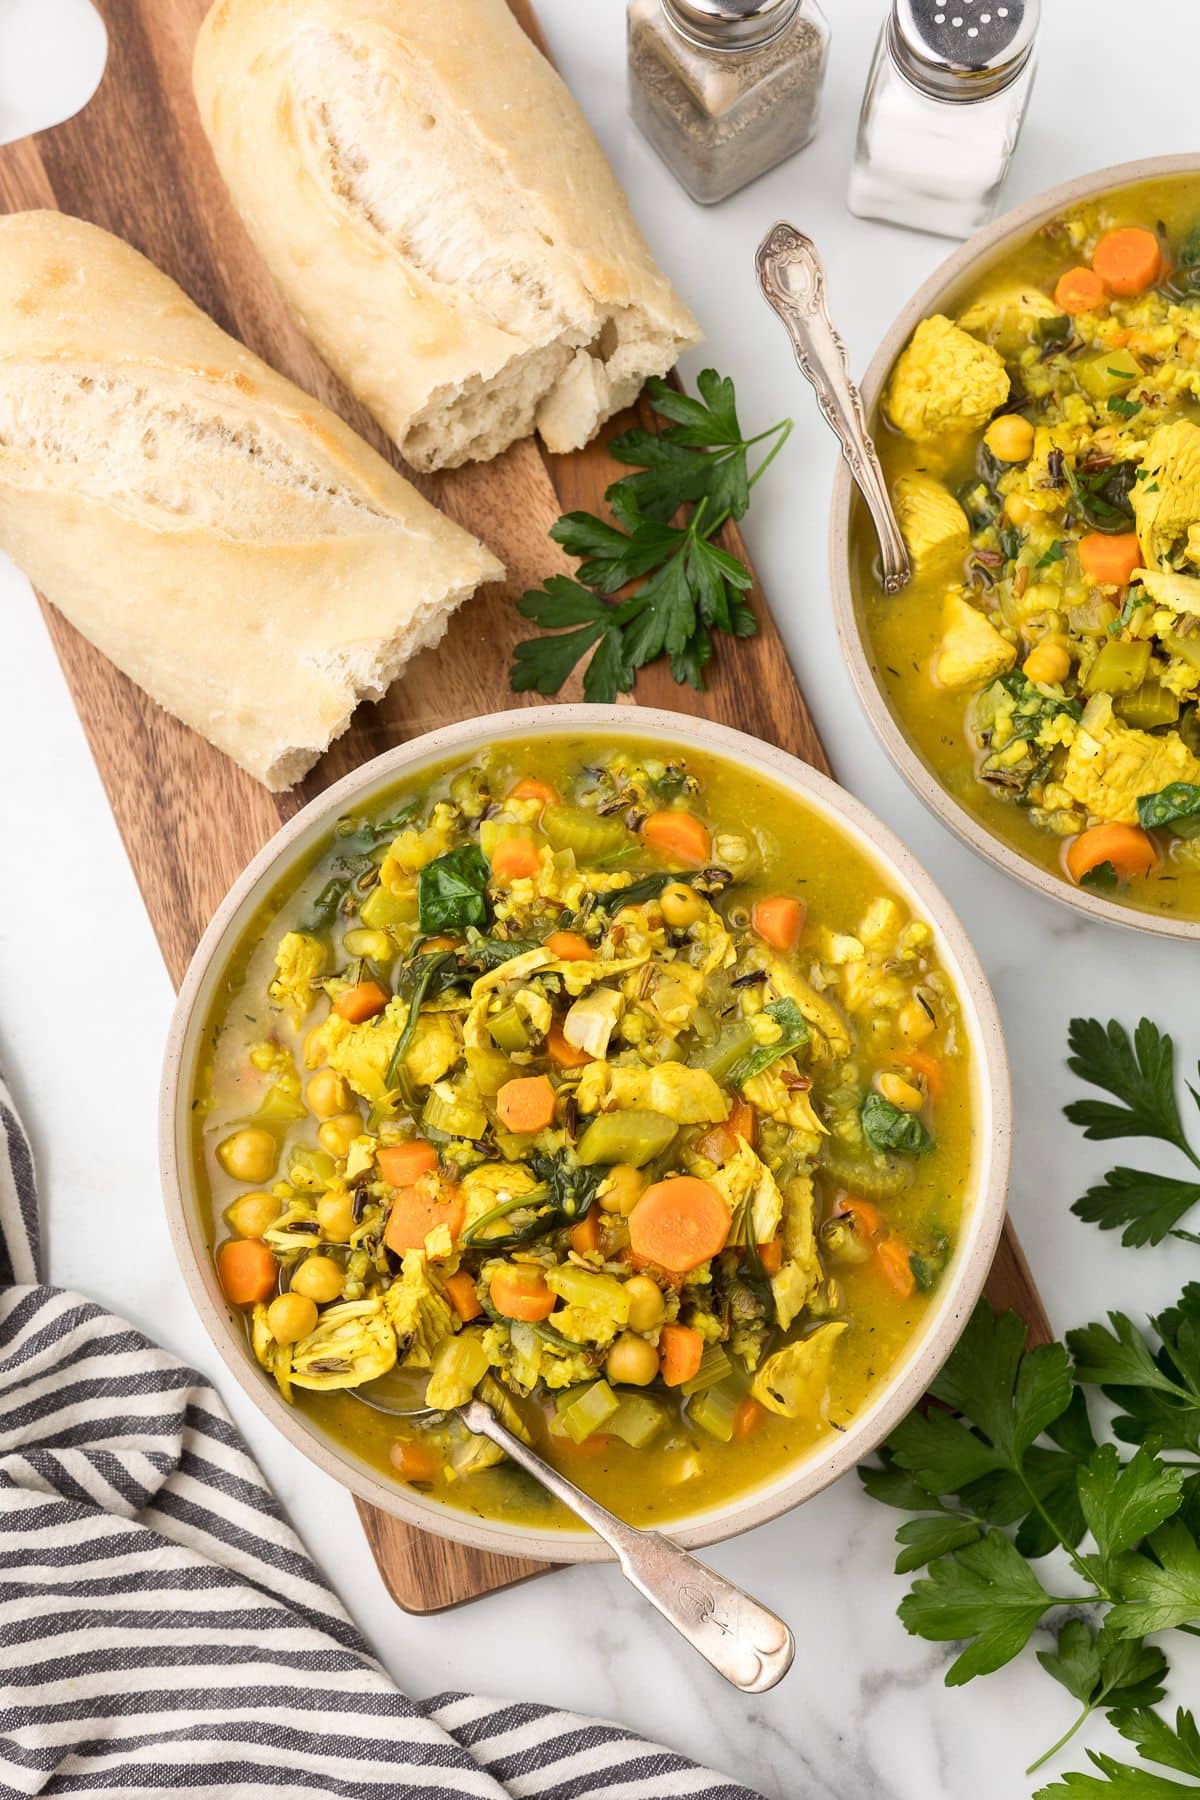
(136,161)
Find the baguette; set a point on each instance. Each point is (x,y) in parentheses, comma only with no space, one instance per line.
(226,541)
(438,216)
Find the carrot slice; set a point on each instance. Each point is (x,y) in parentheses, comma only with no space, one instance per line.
(746,1417)
(868,1220)
(412,1461)
(679,1352)
(1128,260)
(1110,560)
(515,859)
(679,1224)
(771,1256)
(247,1271)
(530,788)
(570,946)
(562,1054)
(892,1257)
(1128,848)
(362,1001)
(526,1104)
(460,1291)
(1079,290)
(420,1209)
(443,942)
(681,836)
(585,1237)
(521,1294)
(778,919)
(403,1164)
(723,1142)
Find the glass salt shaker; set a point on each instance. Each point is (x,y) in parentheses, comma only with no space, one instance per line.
(942,112)
(725,89)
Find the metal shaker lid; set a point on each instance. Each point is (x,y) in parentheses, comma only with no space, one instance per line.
(962,49)
(730,24)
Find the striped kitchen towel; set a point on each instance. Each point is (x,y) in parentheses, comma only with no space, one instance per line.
(162,1628)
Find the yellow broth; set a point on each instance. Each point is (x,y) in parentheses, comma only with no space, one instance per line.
(792,851)
(903,634)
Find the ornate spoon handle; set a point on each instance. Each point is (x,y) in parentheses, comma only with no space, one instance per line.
(744,1642)
(792,278)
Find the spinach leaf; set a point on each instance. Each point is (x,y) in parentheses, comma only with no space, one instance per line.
(1053,333)
(424,977)
(452,891)
(1103,878)
(791,1021)
(1176,805)
(888,1127)
(1102,495)
(649,887)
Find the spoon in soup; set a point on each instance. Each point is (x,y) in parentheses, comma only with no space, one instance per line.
(792,278)
(745,1643)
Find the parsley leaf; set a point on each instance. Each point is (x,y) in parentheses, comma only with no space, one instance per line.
(690,587)
(1140,1075)
(1161,1588)
(1124,409)
(987,1592)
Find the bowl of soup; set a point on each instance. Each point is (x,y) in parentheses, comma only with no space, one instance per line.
(610,1066)
(1038,681)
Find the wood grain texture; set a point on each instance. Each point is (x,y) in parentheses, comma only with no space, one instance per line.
(136,162)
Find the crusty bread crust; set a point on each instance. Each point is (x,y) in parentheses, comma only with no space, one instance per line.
(223,538)
(438,216)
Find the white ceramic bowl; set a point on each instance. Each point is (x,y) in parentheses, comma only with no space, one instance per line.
(941,293)
(984,1204)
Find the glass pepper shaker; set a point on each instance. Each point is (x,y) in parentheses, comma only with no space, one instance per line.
(942,112)
(725,89)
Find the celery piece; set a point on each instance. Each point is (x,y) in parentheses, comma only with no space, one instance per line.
(715,1410)
(734,1043)
(588,1288)
(445,1111)
(309,1169)
(626,1137)
(590,1412)
(1149,705)
(714,1367)
(1109,373)
(1119,668)
(1186,648)
(514,1146)
(382,908)
(508,1030)
(590,837)
(638,1420)
(490,1070)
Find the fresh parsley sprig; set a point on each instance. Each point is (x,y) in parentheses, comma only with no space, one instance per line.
(1140,1075)
(690,587)
(1008,1467)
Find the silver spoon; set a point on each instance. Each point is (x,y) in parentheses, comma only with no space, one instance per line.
(792,278)
(744,1642)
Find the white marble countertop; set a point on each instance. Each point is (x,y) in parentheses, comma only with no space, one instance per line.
(84,999)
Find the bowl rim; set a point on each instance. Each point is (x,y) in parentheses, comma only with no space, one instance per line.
(991,1097)
(1017,223)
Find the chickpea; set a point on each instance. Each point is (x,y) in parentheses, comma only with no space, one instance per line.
(632,1361)
(291,1317)
(1018,509)
(1010,438)
(646,1304)
(313,1049)
(335,1216)
(318,1278)
(250,1154)
(681,905)
(1048,662)
(914,1022)
(901,1093)
(623,1189)
(253,1214)
(327,1094)
(337,1134)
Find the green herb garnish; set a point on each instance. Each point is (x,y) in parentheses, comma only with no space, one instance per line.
(794,1029)
(1125,409)
(1053,555)
(452,891)
(888,1127)
(1103,878)
(1141,1076)
(690,587)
